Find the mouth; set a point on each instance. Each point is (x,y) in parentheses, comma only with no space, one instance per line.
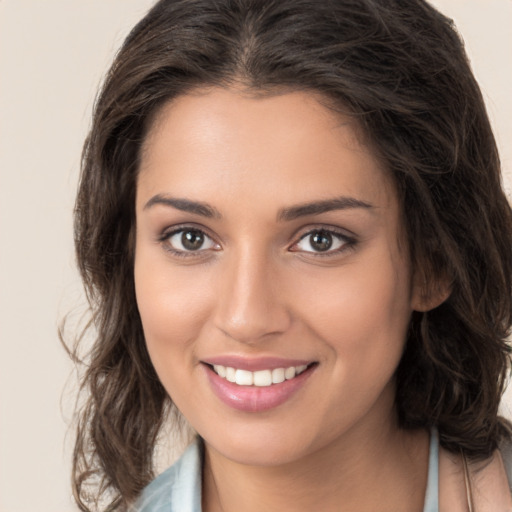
(260,385)
(260,378)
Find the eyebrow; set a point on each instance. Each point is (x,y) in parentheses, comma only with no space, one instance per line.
(317,207)
(185,205)
(285,214)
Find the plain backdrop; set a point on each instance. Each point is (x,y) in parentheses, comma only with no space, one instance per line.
(53,54)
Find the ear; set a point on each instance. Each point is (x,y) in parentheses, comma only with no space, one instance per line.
(429,294)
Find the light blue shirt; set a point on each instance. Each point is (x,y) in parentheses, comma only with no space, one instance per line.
(178,489)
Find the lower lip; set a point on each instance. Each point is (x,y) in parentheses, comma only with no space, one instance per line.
(255,398)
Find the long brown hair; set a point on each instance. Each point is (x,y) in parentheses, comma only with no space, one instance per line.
(398,67)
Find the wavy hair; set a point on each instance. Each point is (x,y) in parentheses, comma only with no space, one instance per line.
(400,69)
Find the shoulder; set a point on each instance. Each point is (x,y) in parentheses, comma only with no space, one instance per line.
(177,489)
(491,481)
(506,455)
(486,484)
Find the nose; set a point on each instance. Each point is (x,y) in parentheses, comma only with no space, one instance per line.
(250,304)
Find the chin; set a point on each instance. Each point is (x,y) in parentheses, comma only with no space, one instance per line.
(261,445)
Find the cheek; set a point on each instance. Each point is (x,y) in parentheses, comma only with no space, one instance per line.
(362,311)
(172,306)
(173,310)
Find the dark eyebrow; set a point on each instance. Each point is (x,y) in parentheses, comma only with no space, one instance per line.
(286,214)
(316,207)
(197,207)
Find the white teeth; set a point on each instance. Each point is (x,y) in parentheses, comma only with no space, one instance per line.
(243,378)
(300,369)
(278,376)
(289,373)
(261,378)
(220,370)
(230,374)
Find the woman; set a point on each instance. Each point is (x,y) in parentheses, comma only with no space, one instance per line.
(291,229)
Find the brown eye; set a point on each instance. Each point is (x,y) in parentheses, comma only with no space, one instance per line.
(323,241)
(192,240)
(188,240)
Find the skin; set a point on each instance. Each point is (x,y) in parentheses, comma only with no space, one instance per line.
(257,287)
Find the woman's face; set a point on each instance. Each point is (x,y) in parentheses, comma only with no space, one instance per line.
(269,252)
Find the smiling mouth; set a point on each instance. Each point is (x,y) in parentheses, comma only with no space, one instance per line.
(259,384)
(260,378)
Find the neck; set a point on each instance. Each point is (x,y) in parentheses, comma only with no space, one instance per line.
(386,470)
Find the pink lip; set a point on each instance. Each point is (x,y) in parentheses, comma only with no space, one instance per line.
(254,364)
(254,398)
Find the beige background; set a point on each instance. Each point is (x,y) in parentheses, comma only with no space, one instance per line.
(52,56)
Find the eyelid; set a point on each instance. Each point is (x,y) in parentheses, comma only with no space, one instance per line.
(349,239)
(170,231)
(346,236)
(337,230)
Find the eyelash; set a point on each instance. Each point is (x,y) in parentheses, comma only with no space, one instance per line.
(167,235)
(348,242)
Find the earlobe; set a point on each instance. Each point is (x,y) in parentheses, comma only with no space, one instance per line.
(427,296)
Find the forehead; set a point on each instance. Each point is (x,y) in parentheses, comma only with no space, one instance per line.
(221,143)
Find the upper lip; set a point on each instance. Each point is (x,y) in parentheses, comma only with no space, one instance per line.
(254,363)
